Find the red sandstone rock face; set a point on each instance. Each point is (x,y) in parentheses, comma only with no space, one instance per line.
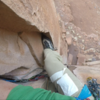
(85,72)
(34,42)
(14,52)
(63,8)
(69,39)
(83,24)
(79,19)
(28,18)
(63,51)
(82,21)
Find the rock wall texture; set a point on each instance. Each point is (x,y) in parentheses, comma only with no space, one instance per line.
(85,72)
(14,52)
(72,33)
(82,22)
(34,42)
(30,15)
(21,25)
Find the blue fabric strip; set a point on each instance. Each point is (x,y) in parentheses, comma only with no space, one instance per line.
(85,93)
(78,99)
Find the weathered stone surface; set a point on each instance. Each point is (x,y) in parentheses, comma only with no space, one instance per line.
(20,73)
(93,63)
(63,51)
(73,50)
(81,59)
(29,16)
(84,72)
(14,52)
(84,59)
(63,8)
(35,45)
(69,39)
(81,19)
(32,17)
(11,21)
(70,59)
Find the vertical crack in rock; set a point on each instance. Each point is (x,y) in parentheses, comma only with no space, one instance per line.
(32,52)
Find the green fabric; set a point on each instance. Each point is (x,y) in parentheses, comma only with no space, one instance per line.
(29,93)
